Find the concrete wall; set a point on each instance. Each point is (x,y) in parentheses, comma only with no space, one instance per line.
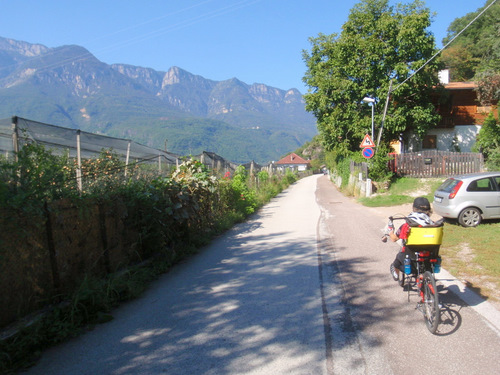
(465,136)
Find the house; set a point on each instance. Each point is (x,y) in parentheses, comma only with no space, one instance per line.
(293,161)
(461,118)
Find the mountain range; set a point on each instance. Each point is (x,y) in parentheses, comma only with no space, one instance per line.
(186,113)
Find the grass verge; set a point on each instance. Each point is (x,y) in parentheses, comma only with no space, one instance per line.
(472,255)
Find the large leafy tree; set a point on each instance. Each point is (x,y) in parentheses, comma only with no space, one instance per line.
(378,44)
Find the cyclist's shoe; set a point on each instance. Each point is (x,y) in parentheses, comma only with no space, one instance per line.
(394,274)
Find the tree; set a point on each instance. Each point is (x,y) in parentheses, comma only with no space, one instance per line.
(475,53)
(488,142)
(460,61)
(378,43)
(477,48)
(488,87)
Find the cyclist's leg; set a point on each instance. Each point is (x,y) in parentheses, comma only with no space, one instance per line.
(397,266)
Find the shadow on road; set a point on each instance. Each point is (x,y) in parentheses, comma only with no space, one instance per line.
(450,317)
(231,311)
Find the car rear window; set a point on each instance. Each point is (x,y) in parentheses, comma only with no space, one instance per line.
(448,185)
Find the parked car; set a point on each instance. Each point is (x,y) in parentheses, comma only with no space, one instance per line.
(469,198)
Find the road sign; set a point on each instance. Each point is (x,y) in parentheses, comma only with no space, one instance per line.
(368,152)
(367,142)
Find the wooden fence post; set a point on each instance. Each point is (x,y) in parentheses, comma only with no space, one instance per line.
(51,247)
(104,237)
(127,157)
(15,138)
(79,162)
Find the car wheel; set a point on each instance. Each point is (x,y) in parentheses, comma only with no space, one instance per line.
(469,217)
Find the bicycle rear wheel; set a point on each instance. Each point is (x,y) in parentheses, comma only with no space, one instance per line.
(430,302)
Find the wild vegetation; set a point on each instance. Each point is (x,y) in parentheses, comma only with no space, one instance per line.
(182,210)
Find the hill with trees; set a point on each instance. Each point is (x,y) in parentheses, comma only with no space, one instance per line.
(475,53)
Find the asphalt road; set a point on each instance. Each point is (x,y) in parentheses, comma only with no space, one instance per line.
(302,287)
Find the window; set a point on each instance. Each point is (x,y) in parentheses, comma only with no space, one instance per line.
(448,185)
(484,109)
(429,142)
(483,184)
(497,180)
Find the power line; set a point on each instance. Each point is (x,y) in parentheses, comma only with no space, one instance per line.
(84,56)
(182,24)
(447,44)
(179,25)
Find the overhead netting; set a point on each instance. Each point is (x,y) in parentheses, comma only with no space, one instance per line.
(67,141)
(17,131)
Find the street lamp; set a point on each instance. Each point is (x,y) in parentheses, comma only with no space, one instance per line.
(371,100)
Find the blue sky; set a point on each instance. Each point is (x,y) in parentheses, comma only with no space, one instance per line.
(256,41)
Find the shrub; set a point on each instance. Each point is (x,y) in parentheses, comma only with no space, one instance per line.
(241,198)
(378,169)
(488,139)
(493,161)
(35,177)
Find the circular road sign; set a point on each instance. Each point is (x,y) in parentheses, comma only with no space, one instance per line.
(368,152)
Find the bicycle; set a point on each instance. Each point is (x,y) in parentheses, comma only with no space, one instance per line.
(422,247)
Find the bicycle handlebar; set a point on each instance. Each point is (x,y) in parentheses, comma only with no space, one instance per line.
(392,218)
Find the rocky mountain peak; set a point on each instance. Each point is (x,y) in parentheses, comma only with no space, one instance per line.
(68,86)
(22,48)
(172,77)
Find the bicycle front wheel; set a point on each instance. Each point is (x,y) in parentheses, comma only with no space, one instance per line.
(430,302)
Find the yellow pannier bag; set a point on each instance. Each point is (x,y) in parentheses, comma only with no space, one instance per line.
(425,236)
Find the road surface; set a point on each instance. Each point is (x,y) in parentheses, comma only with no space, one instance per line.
(303,287)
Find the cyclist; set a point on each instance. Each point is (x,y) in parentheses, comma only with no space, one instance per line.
(420,216)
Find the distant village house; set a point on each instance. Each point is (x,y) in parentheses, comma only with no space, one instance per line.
(294,162)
